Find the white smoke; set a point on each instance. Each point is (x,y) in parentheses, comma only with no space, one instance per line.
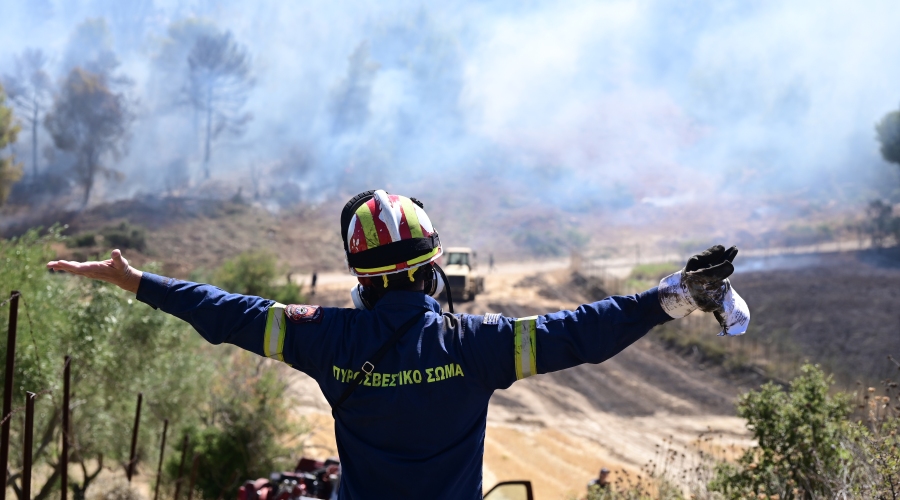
(620,101)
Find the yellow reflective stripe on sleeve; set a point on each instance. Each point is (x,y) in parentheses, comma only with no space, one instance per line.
(368,224)
(526,359)
(273,343)
(412,218)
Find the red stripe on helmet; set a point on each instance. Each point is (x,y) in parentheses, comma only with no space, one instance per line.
(358,242)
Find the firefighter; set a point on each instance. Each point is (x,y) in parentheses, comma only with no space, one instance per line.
(409,384)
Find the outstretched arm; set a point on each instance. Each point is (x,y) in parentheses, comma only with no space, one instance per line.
(595,332)
(115,270)
(217,315)
(501,350)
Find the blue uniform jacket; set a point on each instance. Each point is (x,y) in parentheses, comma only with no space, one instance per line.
(415,428)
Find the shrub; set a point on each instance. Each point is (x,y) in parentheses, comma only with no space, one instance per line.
(881,224)
(799,434)
(125,236)
(118,348)
(246,426)
(875,444)
(120,490)
(82,240)
(644,276)
(625,487)
(254,273)
(654,272)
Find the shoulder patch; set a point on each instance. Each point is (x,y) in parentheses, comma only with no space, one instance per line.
(491,319)
(303,314)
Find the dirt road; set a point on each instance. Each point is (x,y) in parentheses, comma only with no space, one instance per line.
(558,429)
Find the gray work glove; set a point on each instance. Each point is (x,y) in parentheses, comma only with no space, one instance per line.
(703,284)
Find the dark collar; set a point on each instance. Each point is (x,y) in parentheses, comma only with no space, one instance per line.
(403,298)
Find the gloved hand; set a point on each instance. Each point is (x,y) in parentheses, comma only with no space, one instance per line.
(705,276)
(703,284)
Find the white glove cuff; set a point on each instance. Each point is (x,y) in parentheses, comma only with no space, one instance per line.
(674,297)
(736,316)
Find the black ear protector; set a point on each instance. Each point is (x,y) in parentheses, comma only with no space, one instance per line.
(365,297)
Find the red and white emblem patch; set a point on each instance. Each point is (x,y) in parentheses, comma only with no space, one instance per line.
(303,313)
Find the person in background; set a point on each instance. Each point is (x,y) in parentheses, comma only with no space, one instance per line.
(599,482)
(312,288)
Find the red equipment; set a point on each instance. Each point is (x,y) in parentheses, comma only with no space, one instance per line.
(311,479)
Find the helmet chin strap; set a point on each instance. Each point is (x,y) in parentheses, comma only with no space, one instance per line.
(364,299)
(440,271)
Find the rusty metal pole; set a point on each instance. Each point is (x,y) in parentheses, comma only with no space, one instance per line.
(184,449)
(193,476)
(28,445)
(64,459)
(162,451)
(8,388)
(134,436)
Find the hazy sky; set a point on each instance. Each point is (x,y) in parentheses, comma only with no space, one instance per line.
(655,101)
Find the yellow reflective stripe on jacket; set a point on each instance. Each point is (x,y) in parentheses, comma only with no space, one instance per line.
(368,225)
(412,218)
(526,360)
(273,343)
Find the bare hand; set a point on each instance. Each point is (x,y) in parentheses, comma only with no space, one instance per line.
(115,270)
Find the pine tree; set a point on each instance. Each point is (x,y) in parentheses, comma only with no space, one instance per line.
(91,121)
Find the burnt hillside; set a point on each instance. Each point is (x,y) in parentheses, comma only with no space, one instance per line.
(839,310)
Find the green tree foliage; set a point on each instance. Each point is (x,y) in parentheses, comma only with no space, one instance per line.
(888,132)
(10,172)
(881,223)
(254,273)
(118,347)
(799,434)
(91,121)
(246,425)
(124,236)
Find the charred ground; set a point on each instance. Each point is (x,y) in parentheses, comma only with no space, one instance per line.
(839,310)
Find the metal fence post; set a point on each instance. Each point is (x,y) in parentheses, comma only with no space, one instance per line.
(134,436)
(64,459)
(29,443)
(162,451)
(8,388)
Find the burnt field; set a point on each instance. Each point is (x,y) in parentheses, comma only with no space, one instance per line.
(839,310)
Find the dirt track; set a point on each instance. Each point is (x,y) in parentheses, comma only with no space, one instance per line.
(558,429)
